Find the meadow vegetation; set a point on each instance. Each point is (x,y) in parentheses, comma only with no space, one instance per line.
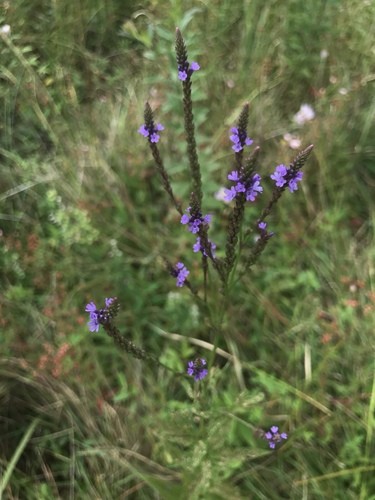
(84,216)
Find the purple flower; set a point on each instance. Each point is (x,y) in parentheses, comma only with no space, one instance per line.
(151,132)
(99,316)
(251,187)
(196,369)
(239,139)
(262,226)
(254,189)
(198,247)
(185,71)
(109,302)
(292,184)
(230,194)
(234,176)
(273,436)
(280,174)
(91,307)
(194,222)
(180,273)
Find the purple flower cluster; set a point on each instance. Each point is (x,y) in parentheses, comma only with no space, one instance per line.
(280,174)
(180,273)
(251,188)
(194,222)
(197,369)
(185,71)
(273,436)
(98,316)
(151,132)
(239,139)
(199,247)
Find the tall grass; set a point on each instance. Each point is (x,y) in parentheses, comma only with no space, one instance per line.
(83,216)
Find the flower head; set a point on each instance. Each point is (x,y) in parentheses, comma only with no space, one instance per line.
(197,369)
(239,139)
(101,316)
(250,187)
(194,222)
(273,436)
(180,272)
(151,132)
(280,177)
(185,71)
(279,174)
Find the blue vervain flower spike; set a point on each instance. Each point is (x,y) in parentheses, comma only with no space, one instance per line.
(283,178)
(247,187)
(186,69)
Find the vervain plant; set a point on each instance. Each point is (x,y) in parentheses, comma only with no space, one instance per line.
(244,245)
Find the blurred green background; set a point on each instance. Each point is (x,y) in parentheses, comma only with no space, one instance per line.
(83,216)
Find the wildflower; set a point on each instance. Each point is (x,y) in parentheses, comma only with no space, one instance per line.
(230,194)
(93,324)
(194,222)
(185,71)
(293,141)
(239,139)
(180,273)
(252,187)
(262,226)
(273,436)
(279,174)
(323,54)
(282,176)
(292,184)
(198,247)
(196,369)
(305,114)
(151,132)
(234,176)
(101,316)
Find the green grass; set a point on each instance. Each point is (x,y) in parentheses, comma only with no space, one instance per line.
(83,217)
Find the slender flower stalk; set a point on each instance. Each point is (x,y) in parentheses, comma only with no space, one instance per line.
(150,131)
(183,64)
(127,345)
